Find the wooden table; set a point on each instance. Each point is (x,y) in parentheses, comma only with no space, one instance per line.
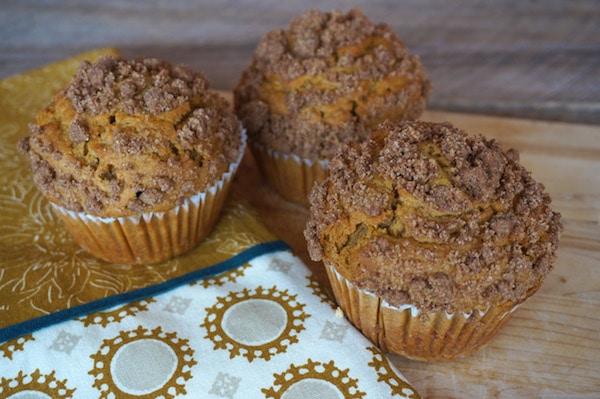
(534,60)
(551,346)
(508,57)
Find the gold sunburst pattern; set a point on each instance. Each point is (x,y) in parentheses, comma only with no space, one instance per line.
(220,279)
(116,315)
(318,291)
(8,348)
(35,385)
(314,380)
(255,323)
(385,373)
(143,362)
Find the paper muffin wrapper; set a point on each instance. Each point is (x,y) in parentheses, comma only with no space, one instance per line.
(291,176)
(152,237)
(412,333)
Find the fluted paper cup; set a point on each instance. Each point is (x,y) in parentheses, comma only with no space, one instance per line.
(152,237)
(413,333)
(291,176)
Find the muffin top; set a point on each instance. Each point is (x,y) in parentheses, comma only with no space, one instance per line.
(131,136)
(424,214)
(326,79)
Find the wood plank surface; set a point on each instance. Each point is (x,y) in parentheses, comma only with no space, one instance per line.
(551,346)
(532,59)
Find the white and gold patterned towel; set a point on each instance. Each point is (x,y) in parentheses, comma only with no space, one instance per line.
(239,317)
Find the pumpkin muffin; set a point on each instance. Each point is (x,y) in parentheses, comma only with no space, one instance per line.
(136,157)
(327,79)
(431,238)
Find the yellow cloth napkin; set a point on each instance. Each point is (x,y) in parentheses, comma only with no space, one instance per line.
(238,317)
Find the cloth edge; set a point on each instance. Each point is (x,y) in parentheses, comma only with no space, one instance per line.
(32,325)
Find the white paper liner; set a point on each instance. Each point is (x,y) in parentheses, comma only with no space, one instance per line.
(152,237)
(291,176)
(411,332)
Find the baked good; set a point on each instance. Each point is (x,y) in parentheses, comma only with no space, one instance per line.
(431,238)
(330,77)
(136,157)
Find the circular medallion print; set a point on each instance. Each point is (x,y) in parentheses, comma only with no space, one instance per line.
(34,386)
(314,380)
(255,323)
(143,366)
(142,362)
(312,388)
(30,395)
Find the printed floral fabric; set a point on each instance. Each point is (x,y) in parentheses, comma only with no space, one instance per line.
(239,317)
(262,330)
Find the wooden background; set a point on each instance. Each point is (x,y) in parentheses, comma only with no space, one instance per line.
(533,59)
(538,60)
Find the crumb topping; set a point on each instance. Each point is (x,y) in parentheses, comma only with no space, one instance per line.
(423,213)
(140,86)
(327,79)
(130,136)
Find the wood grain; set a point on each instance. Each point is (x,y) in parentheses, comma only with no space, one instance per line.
(551,346)
(527,59)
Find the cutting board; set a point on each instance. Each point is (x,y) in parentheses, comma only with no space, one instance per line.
(551,346)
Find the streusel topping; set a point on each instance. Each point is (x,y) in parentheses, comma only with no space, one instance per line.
(424,214)
(130,136)
(327,79)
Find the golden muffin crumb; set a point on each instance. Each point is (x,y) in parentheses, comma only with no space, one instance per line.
(326,79)
(126,137)
(424,214)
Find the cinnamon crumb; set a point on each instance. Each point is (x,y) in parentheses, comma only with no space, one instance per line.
(463,225)
(79,132)
(327,79)
(129,136)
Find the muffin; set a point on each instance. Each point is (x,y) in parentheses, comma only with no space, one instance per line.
(327,79)
(431,238)
(136,157)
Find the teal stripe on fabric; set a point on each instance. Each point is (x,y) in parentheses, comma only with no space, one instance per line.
(38,323)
